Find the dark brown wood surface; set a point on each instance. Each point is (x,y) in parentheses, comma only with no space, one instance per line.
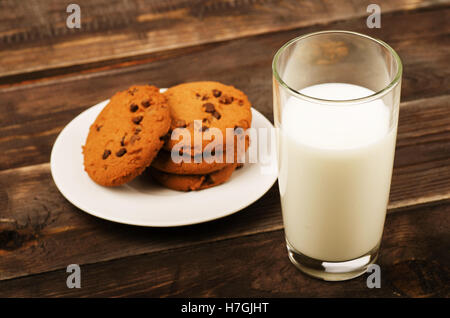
(38,29)
(49,74)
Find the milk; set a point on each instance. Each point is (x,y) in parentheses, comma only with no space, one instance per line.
(335,172)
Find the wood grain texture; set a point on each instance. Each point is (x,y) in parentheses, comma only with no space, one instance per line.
(41,231)
(32,115)
(414,262)
(422,155)
(241,255)
(34,35)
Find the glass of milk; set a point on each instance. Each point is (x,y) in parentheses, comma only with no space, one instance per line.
(336,104)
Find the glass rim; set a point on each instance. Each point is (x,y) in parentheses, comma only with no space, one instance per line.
(360,100)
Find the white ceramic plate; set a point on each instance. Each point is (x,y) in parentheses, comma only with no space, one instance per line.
(142,201)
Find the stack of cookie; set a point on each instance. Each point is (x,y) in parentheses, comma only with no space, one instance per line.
(135,130)
(198,107)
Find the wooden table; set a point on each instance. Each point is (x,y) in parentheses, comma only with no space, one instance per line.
(49,74)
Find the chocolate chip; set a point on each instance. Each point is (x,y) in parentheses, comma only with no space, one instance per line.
(209,108)
(133,108)
(98,127)
(106,154)
(131,92)
(216,93)
(137,119)
(205,97)
(226,99)
(122,142)
(146,103)
(197,95)
(121,152)
(137,130)
(205,120)
(204,128)
(180,151)
(217,115)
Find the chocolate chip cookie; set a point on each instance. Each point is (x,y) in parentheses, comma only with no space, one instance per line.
(164,163)
(209,104)
(127,135)
(192,182)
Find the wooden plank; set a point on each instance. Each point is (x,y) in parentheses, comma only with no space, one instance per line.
(41,231)
(414,262)
(394,28)
(34,35)
(32,115)
(422,154)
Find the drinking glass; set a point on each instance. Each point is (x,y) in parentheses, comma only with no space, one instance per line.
(336,98)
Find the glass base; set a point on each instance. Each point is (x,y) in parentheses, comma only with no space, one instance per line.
(332,271)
